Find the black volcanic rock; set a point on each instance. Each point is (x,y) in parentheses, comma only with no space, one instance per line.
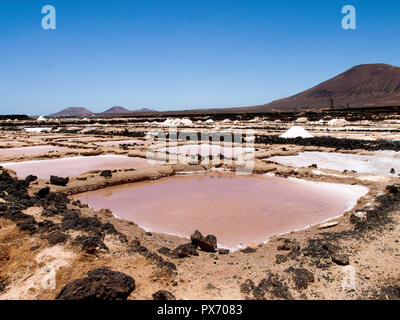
(208,243)
(185,250)
(30,179)
(163,295)
(106,174)
(59,181)
(43,192)
(100,284)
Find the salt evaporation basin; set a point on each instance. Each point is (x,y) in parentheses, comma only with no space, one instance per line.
(73,166)
(239,210)
(30,150)
(379,164)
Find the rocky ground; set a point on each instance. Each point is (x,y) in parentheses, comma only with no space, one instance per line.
(44,232)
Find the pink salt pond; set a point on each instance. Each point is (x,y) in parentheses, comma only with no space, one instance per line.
(74,166)
(30,150)
(239,210)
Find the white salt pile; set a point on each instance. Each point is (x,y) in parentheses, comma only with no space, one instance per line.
(176,122)
(337,122)
(301,120)
(296,132)
(41,118)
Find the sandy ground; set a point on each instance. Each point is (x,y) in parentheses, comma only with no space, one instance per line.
(374,255)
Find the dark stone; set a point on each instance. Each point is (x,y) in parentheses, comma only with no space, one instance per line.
(27,225)
(42,193)
(47,226)
(185,250)
(106,174)
(56,237)
(394,189)
(301,277)
(208,243)
(274,286)
(196,238)
(100,284)
(341,259)
(391,292)
(280,258)
(223,251)
(249,250)
(16,215)
(59,181)
(247,286)
(30,179)
(89,244)
(288,244)
(163,295)
(166,266)
(258,293)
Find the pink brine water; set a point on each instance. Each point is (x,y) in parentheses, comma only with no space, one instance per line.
(239,210)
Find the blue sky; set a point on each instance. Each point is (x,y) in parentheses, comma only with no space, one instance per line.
(181,54)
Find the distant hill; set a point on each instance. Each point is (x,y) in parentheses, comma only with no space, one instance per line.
(73,112)
(361,86)
(144,110)
(116,109)
(122,110)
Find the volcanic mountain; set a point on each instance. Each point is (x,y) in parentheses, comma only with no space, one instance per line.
(116,109)
(361,86)
(122,110)
(73,112)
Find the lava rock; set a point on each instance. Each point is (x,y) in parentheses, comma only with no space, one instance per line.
(208,243)
(89,244)
(42,193)
(27,225)
(341,259)
(100,284)
(59,181)
(274,286)
(30,179)
(185,250)
(249,250)
(223,251)
(47,226)
(56,237)
(301,277)
(163,295)
(106,174)
(288,244)
(247,286)
(280,258)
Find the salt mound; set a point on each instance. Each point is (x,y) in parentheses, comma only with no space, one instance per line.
(337,122)
(296,132)
(301,120)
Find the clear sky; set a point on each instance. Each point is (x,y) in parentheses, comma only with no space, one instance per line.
(181,54)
